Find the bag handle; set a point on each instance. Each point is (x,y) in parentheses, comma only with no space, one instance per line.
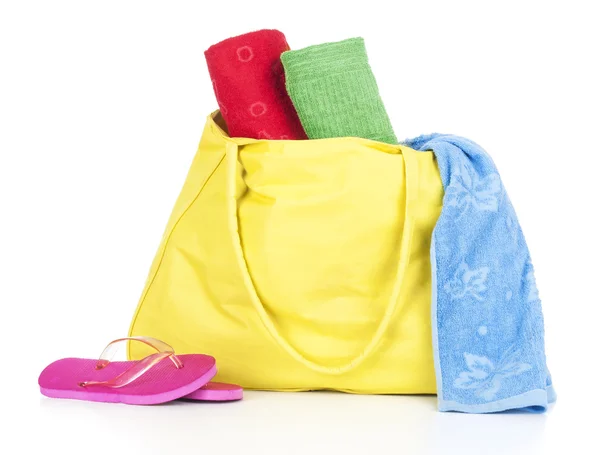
(411,179)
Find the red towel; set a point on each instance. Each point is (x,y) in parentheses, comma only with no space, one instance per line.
(249,84)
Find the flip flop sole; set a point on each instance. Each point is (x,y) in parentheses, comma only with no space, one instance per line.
(161,384)
(217,391)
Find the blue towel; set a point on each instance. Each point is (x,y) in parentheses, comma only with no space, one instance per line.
(488,328)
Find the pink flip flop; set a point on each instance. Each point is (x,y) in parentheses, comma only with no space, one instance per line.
(155,379)
(213,391)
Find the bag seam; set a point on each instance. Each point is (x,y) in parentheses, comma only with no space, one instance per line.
(164,250)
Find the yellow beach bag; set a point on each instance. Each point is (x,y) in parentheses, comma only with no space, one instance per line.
(300,265)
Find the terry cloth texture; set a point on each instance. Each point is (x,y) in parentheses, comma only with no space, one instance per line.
(488,328)
(335,92)
(248,81)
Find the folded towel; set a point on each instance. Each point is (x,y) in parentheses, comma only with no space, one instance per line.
(335,92)
(249,84)
(488,329)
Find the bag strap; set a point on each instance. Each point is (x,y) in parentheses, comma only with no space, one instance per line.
(411,179)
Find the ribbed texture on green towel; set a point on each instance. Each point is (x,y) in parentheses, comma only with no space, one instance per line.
(335,92)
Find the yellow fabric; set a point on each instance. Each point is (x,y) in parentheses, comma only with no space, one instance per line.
(300,265)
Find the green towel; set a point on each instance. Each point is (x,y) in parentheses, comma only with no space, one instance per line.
(335,92)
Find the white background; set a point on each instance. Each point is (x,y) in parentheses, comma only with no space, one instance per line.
(101,109)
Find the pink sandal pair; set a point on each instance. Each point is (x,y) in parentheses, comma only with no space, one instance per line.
(158,378)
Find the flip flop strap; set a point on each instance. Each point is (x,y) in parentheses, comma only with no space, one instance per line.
(132,373)
(156,344)
(138,368)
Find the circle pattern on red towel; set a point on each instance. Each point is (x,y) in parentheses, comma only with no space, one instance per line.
(216,90)
(262,134)
(245,54)
(258,109)
(249,84)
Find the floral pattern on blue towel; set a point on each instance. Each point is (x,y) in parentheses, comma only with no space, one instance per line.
(467,282)
(486,378)
(532,294)
(488,333)
(470,191)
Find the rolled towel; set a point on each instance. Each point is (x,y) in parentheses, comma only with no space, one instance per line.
(335,93)
(249,83)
